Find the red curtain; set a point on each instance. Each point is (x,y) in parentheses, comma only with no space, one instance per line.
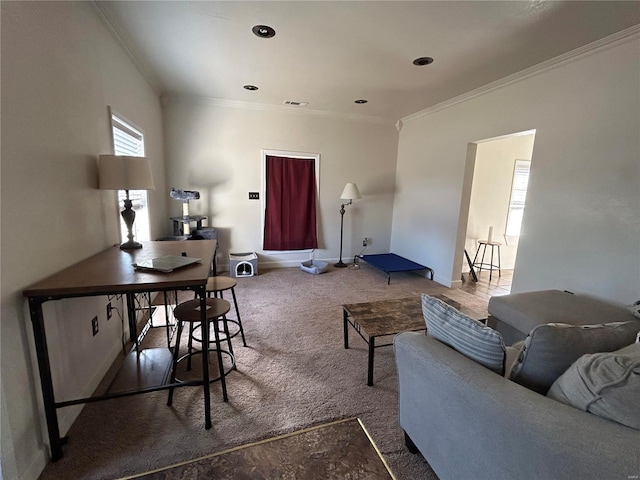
(290,214)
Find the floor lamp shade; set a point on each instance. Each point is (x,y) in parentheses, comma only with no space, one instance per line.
(121,172)
(349,193)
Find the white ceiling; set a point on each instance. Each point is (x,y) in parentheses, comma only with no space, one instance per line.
(330,53)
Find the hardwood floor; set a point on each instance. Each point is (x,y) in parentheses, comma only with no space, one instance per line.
(498,285)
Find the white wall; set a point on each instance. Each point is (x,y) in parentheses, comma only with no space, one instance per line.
(216,150)
(581,229)
(61,69)
(491,193)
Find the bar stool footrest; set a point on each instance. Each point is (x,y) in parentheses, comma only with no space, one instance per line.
(198,354)
(221,332)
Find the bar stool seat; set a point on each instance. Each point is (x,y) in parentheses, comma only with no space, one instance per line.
(219,284)
(189,312)
(482,264)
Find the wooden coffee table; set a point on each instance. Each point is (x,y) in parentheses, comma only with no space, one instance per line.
(389,317)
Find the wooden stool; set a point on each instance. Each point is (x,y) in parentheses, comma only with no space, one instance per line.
(190,312)
(219,284)
(490,265)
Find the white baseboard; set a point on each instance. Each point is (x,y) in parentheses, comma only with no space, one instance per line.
(266,264)
(442,280)
(36,466)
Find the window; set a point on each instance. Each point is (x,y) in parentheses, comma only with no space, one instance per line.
(128,140)
(518,197)
(290,196)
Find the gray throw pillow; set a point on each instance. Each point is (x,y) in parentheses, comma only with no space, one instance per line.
(605,384)
(550,349)
(635,308)
(466,335)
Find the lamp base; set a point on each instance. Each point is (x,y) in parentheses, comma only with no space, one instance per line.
(130,245)
(340,265)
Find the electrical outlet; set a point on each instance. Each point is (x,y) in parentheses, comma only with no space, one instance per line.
(366,241)
(254,195)
(109,308)
(94,326)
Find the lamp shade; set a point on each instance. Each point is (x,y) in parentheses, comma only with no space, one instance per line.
(350,192)
(121,172)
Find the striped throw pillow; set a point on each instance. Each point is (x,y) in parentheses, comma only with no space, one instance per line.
(466,335)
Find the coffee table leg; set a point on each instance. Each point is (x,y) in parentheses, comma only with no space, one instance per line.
(346,329)
(372,346)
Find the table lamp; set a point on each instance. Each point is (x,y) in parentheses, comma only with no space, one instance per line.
(122,172)
(349,193)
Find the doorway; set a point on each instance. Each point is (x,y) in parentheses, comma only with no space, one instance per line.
(500,174)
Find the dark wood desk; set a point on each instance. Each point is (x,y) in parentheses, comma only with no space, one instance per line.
(110,273)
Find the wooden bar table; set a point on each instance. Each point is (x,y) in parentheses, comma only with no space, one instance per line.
(111,272)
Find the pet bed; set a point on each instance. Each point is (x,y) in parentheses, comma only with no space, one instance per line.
(314,267)
(390,262)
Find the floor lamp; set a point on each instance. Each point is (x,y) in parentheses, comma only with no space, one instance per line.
(349,193)
(121,172)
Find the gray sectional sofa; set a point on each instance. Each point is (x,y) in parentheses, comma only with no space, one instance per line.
(471,422)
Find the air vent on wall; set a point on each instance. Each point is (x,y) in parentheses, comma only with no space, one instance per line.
(295,104)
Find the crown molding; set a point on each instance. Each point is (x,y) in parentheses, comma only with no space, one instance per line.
(221,102)
(120,36)
(605,43)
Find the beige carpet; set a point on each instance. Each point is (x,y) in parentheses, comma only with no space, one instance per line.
(295,373)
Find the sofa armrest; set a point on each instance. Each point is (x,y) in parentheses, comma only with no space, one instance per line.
(469,422)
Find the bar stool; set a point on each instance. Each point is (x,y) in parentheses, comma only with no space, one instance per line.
(189,312)
(484,244)
(219,284)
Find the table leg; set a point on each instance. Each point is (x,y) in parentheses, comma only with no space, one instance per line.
(131,317)
(345,315)
(372,346)
(205,357)
(46,382)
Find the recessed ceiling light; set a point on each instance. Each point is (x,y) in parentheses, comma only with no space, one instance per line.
(263,31)
(250,87)
(423,61)
(361,101)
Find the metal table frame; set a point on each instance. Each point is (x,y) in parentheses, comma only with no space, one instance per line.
(112,273)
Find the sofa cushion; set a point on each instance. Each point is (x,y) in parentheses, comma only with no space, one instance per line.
(525,311)
(605,384)
(551,349)
(466,335)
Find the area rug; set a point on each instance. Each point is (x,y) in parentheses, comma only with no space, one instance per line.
(295,372)
(334,450)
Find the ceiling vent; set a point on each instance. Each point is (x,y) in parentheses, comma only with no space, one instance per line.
(295,104)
